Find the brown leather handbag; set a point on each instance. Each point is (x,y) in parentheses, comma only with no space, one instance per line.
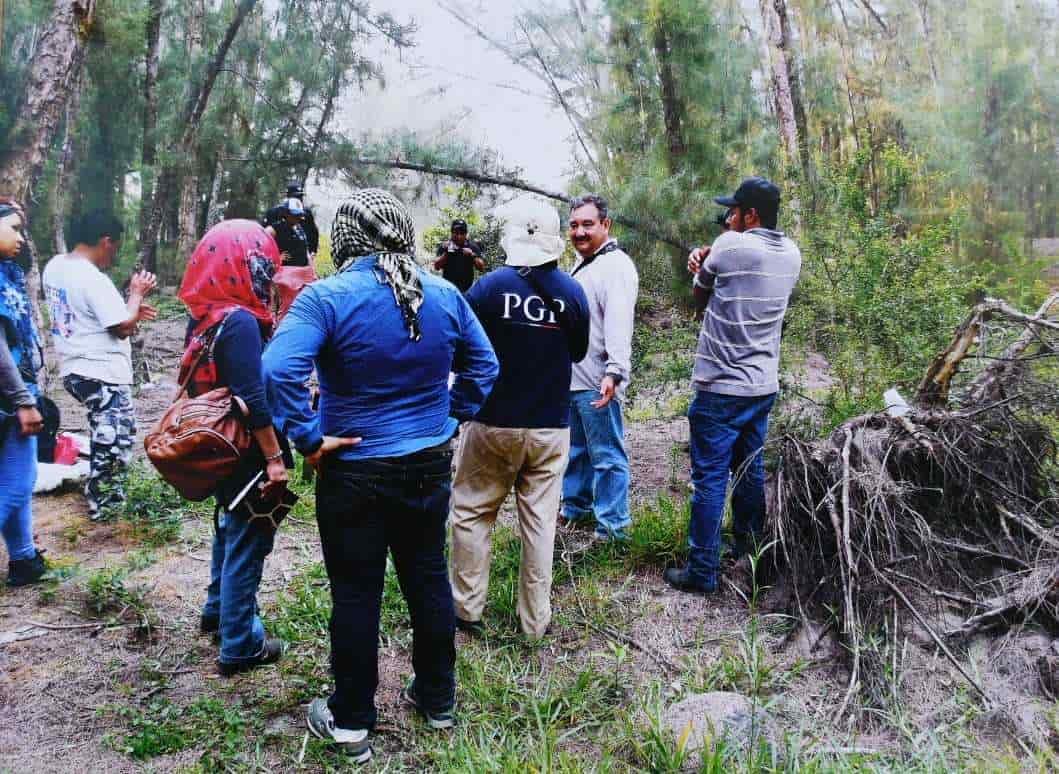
(200,441)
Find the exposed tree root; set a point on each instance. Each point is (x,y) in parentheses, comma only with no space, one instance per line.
(954,504)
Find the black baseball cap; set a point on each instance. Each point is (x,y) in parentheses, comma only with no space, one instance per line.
(295,190)
(458,225)
(755,192)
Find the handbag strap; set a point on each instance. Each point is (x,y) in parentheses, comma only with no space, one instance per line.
(208,346)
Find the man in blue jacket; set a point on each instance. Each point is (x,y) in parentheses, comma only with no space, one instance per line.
(383,336)
(537,318)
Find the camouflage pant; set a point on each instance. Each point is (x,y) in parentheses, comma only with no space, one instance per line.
(113,423)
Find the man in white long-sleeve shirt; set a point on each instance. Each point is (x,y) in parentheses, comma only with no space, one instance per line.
(596,483)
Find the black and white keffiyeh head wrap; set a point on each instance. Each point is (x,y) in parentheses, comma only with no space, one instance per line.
(375,222)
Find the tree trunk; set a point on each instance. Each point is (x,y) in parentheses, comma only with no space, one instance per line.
(188,125)
(672,106)
(325,119)
(149,146)
(56,66)
(928,35)
(65,167)
(781,81)
(789,64)
(189,191)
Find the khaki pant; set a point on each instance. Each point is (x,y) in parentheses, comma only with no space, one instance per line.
(489,461)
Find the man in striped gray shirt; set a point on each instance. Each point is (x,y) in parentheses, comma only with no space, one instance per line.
(745,279)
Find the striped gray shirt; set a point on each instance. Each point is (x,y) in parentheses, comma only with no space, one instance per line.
(752,275)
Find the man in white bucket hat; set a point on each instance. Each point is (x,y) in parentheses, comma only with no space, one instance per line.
(537,319)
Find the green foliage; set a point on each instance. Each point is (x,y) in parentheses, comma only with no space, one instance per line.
(162,728)
(109,596)
(154,513)
(467,203)
(877,296)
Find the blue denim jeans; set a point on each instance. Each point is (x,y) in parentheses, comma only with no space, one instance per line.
(727,437)
(239,551)
(18,474)
(366,508)
(597,476)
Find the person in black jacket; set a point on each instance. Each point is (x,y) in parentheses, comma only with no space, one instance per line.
(458,257)
(226,289)
(537,319)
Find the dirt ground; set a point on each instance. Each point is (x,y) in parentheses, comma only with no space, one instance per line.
(62,671)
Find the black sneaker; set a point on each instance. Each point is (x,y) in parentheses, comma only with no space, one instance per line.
(22,572)
(439,721)
(209,624)
(354,742)
(474,628)
(678,579)
(270,653)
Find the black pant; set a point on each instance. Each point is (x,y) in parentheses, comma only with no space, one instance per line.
(363,508)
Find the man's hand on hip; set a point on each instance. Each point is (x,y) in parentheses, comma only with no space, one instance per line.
(331,443)
(607,389)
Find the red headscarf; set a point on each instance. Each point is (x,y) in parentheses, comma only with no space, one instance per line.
(232,268)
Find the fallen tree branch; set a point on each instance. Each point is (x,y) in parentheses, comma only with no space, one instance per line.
(517,184)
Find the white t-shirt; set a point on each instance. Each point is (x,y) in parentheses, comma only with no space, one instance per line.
(83,303)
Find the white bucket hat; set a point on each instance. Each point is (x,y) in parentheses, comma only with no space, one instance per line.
(531,232)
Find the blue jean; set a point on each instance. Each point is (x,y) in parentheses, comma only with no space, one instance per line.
(727,437)
(365,508)
(597,475)
(18,474)
(239,551)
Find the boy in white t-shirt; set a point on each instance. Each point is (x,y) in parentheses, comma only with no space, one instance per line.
(90,325)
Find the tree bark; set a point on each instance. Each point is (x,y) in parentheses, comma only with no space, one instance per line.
(786,51)
(188,126)
(58,60)
(325,119)
(188,225)
(149,142)
(672,107)
(779,66)
(65,167)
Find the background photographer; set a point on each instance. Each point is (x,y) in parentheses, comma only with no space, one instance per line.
(458,257)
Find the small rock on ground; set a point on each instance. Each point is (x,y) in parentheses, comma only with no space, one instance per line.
(720,715)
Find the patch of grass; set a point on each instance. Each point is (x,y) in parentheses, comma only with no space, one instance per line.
(154,511)
(169,307)
(107,595)
(163,727)
(659,533)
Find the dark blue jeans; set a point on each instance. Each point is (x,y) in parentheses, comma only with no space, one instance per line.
(239,551)
(727,438)
(364,508)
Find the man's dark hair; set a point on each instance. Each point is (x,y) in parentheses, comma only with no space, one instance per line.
(768,214)
(93,226)
(459,226)
(591,198)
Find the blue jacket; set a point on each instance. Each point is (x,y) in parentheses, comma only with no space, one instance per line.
(375,382)
(534,349)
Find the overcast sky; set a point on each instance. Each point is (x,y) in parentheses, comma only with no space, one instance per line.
(454,82)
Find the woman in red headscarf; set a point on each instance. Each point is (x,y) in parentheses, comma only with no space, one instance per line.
(227,289)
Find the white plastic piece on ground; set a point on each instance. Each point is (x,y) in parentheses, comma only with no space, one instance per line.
(52,477)
(896,406)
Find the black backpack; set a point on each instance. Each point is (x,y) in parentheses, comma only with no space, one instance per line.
(46,438)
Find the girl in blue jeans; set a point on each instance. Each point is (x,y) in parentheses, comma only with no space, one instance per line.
(20,421)
(227,289)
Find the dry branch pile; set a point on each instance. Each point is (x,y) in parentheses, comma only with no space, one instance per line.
(953,505)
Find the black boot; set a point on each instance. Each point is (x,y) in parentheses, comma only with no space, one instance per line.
(23,572)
